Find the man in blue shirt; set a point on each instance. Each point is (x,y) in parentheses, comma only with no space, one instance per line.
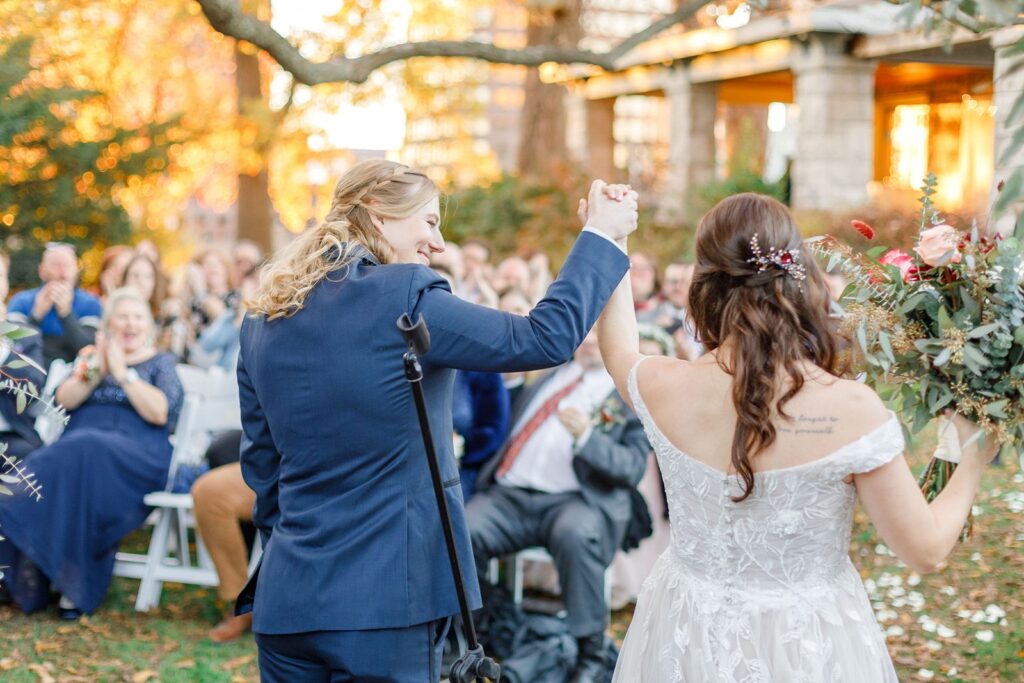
(66,316)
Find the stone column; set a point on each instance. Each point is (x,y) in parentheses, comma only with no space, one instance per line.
(1008,83)
(835,137)
(600,142)
(691,154)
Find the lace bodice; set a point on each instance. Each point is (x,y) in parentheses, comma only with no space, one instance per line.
(793,530)
(763,589)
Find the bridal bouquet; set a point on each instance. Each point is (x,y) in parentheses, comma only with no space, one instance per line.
(940,329)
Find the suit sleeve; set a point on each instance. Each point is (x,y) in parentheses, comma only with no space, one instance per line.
(466,336)
(622,461)
(259,457)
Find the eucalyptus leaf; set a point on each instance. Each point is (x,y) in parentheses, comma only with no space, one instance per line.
(6,491)
(20,402)
(979,332)
(942,358)
(20,333)
(10,478)
(945,321)
(17,364)
(997,409)
(883,339)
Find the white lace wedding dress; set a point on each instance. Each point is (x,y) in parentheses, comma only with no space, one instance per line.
(762,590)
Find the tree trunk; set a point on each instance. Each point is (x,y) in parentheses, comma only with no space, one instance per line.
(542,146)
(255,211)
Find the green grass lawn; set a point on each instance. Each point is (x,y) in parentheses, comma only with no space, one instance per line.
(964,623)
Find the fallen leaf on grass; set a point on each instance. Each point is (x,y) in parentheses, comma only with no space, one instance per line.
(7,663)
(44,646)
(237,662)
(143,676)
(185,664)
(40,670)
(237,678)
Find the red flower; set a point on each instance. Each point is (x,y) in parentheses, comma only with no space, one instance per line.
(863,228)
(786,258)
(903,261)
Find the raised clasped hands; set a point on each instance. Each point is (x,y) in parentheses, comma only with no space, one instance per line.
(612,209)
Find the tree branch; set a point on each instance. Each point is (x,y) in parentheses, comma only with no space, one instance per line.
(686,11)
(227,17)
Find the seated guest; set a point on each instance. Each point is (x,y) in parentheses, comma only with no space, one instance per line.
(517,302)
(112,265)
(643,275)
(221,500)
(145,276)
(480,410)
(671,313)
(563,481)
(123,400)
(17,430)
(65,315)
(246,257)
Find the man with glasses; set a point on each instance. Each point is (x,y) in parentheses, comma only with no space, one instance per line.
(67,317)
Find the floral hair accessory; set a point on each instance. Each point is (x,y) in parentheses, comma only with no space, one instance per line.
(783,259)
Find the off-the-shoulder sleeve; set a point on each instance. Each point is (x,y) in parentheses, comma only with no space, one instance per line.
(471,337)
(876,448)
(165,378)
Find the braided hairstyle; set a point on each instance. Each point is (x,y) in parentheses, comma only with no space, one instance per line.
(388,189)
(772,320)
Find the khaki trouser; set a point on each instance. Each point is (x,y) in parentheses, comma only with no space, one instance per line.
(222,499)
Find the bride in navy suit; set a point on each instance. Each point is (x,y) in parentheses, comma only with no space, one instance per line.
(355,583)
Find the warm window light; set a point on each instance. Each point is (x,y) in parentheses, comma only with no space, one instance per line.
(777,117)
(909,135)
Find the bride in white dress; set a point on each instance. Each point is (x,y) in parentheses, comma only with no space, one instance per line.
(763,450)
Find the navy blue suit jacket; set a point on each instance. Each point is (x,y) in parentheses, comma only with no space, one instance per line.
(332,446)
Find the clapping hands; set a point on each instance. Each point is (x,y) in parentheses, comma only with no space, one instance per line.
(54,294)
(612,209)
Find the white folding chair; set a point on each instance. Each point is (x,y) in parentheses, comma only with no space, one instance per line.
(514,572)
(210,406)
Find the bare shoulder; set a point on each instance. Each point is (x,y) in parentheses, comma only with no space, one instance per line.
(657,369)
(857,401)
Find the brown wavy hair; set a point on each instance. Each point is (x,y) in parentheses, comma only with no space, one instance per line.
(772,321)
(393,190)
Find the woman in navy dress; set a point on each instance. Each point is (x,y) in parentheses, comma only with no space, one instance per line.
(114,450)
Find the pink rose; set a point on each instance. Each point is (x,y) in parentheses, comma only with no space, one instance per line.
(939,246)
(903,261)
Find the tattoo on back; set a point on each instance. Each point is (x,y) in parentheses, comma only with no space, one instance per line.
(808,424)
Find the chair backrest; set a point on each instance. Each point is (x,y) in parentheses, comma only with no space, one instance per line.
(210,406)
(49,424)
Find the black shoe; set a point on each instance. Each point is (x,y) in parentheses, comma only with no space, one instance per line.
(69,613)
(5,595)
(591,665)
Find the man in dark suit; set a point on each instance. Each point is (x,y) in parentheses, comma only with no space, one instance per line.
(17,430)
(562,481)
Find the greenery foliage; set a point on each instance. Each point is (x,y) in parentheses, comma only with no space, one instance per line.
(943,326)
(60,174)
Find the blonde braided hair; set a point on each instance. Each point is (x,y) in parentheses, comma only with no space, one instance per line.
(392,190)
